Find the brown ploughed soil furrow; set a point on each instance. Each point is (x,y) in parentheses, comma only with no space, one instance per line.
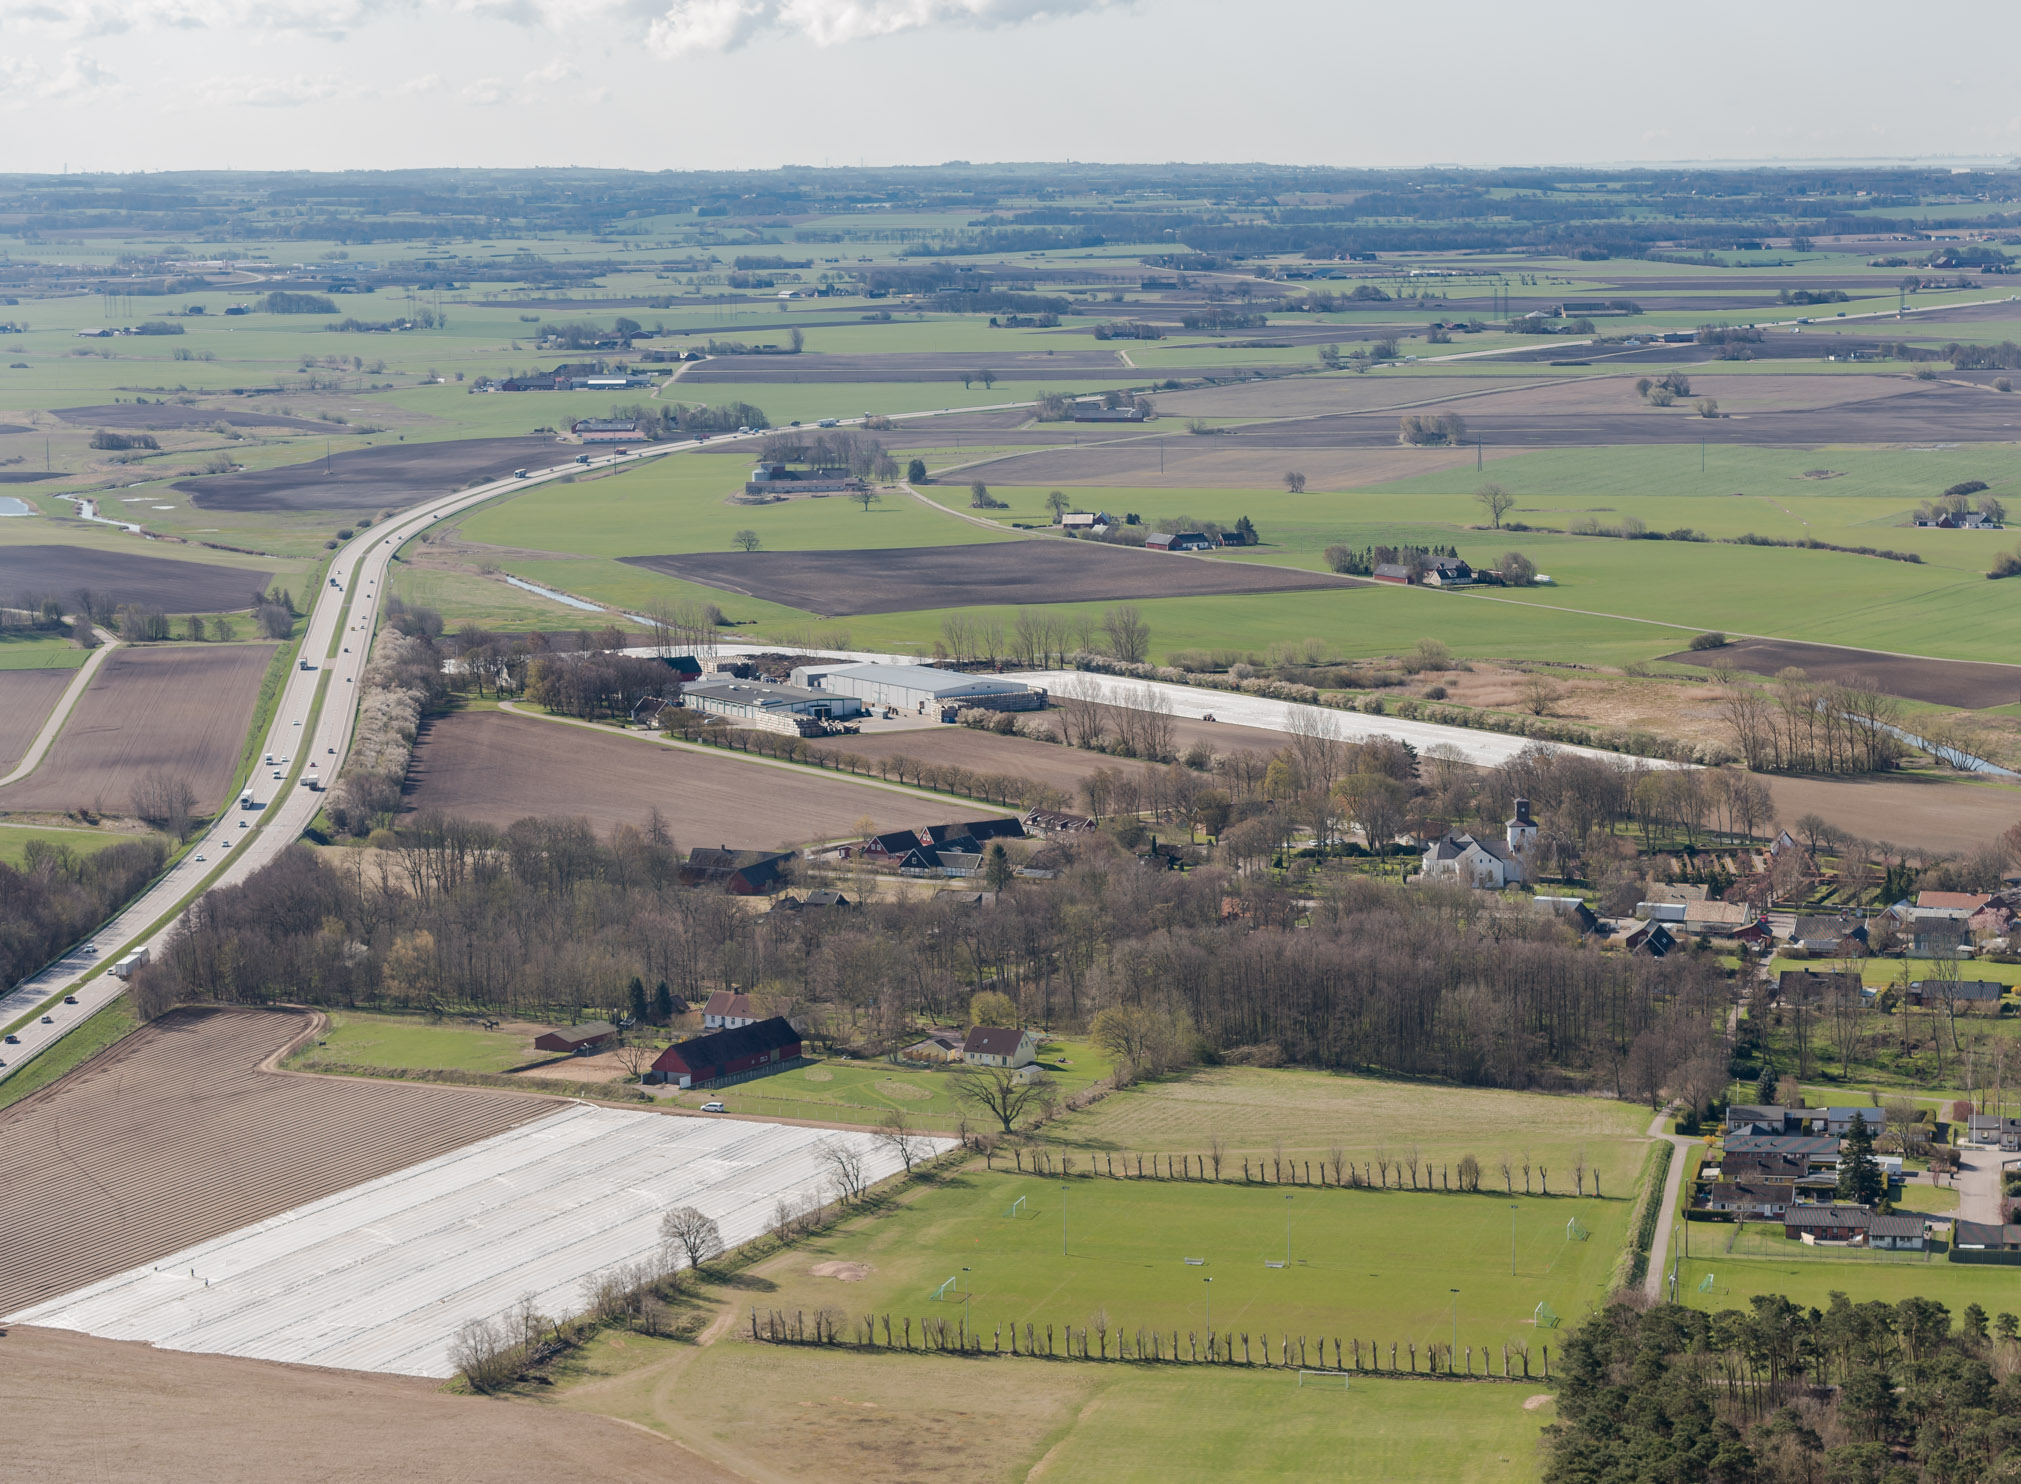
(178,1134)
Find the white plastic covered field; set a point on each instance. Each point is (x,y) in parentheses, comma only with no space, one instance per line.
(380,1277)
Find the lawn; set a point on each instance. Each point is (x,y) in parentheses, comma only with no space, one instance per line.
(1811,1278)
(793,1414)
(1255,1110)
(19,651)
(404,1044)
(1380,1266)
(14,840)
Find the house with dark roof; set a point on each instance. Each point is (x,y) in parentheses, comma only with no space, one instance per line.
(1819,1151)
(1756,1117)
(1449,572)
(1004,827)
(575,1040)
(1956,992)
(1829,935)
(1772,1167)
(742,873)
(1651,940)
(999,1046)
(1902,1232)
(1179,541)
(938,1045)
(1814,986)
(1053,822)
(734,1055)
(1748,1200)
(1987,1128)
(1985,1236)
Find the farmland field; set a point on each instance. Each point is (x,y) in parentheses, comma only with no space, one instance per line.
(1939,682)
(182,709)
(497,767)
(176,1135)
(175,586)
(26,697)
(368,479)
(157,1414)
(908,578)
(825,1414)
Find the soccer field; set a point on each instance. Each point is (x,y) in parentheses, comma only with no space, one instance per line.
(1380,1266)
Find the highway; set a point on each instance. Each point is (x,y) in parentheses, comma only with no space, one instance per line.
(311,727)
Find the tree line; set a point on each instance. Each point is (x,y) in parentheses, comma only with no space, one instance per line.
(542,918)
(58,895)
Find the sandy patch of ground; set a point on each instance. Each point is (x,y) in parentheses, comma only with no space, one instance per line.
(846,1272)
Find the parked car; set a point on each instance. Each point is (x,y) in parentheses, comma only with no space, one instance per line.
(714,1108)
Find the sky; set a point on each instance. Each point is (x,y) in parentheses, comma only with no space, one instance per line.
(92,85)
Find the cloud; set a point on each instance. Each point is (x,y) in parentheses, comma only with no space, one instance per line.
(669,28)
(267,92)
(24,78)
(690,26)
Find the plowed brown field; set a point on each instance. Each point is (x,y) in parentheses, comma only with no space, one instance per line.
(80,1409)
(25,699)
(494,766)
(183,710)
(178,1134)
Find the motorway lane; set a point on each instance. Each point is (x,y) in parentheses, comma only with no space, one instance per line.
(228,853)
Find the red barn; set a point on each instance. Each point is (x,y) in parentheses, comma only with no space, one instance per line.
(737,1053)
(575,1038)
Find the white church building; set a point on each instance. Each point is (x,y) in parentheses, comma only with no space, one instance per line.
(1485,863)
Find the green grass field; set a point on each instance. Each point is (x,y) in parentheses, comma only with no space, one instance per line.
(20,651)
(412,1045)
(1378,1265)
(1813,1276)
(1254,1110)
(824,1414)
(14,840)
(864,1092)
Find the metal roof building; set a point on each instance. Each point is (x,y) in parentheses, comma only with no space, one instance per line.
(905,687)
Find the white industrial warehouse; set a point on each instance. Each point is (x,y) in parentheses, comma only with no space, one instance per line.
(380,1277)
(917,687)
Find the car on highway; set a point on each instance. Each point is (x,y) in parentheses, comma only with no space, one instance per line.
(70,999)
(714,1108)
(89,950)
(200,857)
(13,1040)
(582,458)
(244,825)
(49,1020)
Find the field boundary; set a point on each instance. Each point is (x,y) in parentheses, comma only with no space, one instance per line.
(59,714)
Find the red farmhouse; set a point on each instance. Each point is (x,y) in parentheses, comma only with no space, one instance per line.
(734,1054)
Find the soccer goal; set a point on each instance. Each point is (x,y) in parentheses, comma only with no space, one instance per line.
(1575,1232)
(1322,1378)
(1705,1284)
(954,1283)
(1017,1209)
(1544,1317)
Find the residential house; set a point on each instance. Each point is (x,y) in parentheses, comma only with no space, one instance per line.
(997,1046)
(1819,1151)
(733,1055)
(1826,1223)
(1095,412)
(940,1044)
(974,832)
(1986,1128)
(742,873)
(1749,1201)
(606,430)
(1814,986)
(1652,939)
(727,1009)
(1957,993)
(575,1040)
(1052,822)
(1829,935)
(1933,932)
(892,846)
(1717,919)
(1951,901)
(1898,1233)
(1449,572)
(1838,1122)
(1093,521)
(1758,1116)
(1774,1167)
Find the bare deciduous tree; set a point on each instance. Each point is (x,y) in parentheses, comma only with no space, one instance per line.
(897,1135)
(694,1233)
(1003,1093)
(845,1167)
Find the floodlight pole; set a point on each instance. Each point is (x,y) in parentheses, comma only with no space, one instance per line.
(1210,1304)
(964,1305)
(1456,1326)
(1063,1219)
(1287,1229)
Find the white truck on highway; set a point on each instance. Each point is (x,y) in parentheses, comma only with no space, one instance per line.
(125,966)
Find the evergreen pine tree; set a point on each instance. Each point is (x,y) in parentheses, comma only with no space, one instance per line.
(637,992)
(1859,1173)
(663,1003)
(1765,1088)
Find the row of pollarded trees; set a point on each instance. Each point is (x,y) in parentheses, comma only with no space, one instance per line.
(1038,638)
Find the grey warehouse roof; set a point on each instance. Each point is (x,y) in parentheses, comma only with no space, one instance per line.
(924,678)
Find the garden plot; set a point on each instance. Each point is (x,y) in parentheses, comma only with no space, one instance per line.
(381,1276)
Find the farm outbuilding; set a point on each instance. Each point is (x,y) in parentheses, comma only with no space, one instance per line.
(780,708)
(733,1055)
(918,688)
(569,1039)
